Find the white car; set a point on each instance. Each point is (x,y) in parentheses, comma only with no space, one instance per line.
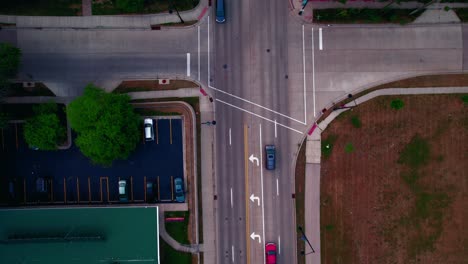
(149,132)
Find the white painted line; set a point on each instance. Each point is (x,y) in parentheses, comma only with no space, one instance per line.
(304,71)
(279,245)
(232,204)
(313,70)
(208,81)
(232,253)
(188,64)
(229,137)
(263,200)
(247,101)
(264,118)
(320,39)
(276,132)
(198,52)
(277,187)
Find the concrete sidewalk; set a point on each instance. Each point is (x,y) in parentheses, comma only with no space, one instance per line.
(111,21)
(313,156)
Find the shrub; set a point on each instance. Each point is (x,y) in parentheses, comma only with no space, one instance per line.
(416,153)
(327,145)
(397,104)
(9,60)
(356,121)
(130,6)
(465,99)
(349,148)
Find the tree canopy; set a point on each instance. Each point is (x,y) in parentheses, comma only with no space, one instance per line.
(9,60)
(44,130)
(107,126)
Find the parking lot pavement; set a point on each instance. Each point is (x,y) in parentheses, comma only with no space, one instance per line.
(74,179)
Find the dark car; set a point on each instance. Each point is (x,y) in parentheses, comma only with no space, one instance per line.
(43,188)
(270,252)
(270,160)
(149,192)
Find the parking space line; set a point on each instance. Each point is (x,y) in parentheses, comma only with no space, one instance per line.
(172,188)
(89,190)
(131,186)
(170,130)
(157,134)
(64,190)
(52,191)
(24,190)
(16,134)
(159,196)
(144,185)
(107,181)
(78,188)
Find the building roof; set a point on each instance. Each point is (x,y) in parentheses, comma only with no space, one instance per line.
(80,235)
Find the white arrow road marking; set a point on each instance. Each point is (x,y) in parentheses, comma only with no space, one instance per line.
(253,198)
(252,158)
(254,236)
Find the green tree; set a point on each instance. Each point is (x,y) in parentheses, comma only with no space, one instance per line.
(9,60)
(44,130)
(130,6)
(107,126)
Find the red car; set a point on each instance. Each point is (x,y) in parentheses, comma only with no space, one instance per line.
(270,251)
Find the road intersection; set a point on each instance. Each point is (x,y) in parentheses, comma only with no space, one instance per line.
(270,76)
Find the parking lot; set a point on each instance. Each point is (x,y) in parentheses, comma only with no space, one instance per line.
(66,176)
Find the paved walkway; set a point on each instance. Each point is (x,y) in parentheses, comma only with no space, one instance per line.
(313,156)
(111,21)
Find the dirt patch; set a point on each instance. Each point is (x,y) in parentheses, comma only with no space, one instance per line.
(152,85)
(400,193)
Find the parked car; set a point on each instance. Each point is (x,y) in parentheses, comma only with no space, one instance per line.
(123,191)
(270,252)
(270,160)
(149,192)
(149,132)
(43,189)
(179,190)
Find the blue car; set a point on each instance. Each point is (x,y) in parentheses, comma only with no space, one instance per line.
(220,17)
(270,152)
(179,190)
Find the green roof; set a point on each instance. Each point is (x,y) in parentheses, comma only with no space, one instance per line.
(79,235)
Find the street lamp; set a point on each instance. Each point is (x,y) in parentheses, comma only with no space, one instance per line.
(177,11)
(209,123)
(304,237)
(304,3)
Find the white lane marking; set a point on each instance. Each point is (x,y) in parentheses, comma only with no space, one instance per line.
(254,114)
(188,64)
(230,137)
(208,81)
(276,132)
(320,39)
(304,72)
(263,200)
(198,52)
(279,245)
(250,102)
(277,187)
(232,203)
(232,253)
(313,70)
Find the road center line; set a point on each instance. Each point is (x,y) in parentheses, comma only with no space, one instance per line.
(188,64)
(232,253)
(320,39)
(232,204)
(279,245)
(313,70)
(277,187)
(198,52)
(263,200)
(264,118)
(246,172)
(304,72)
(230,137)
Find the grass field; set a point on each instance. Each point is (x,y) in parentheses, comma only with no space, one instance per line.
(400,195)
